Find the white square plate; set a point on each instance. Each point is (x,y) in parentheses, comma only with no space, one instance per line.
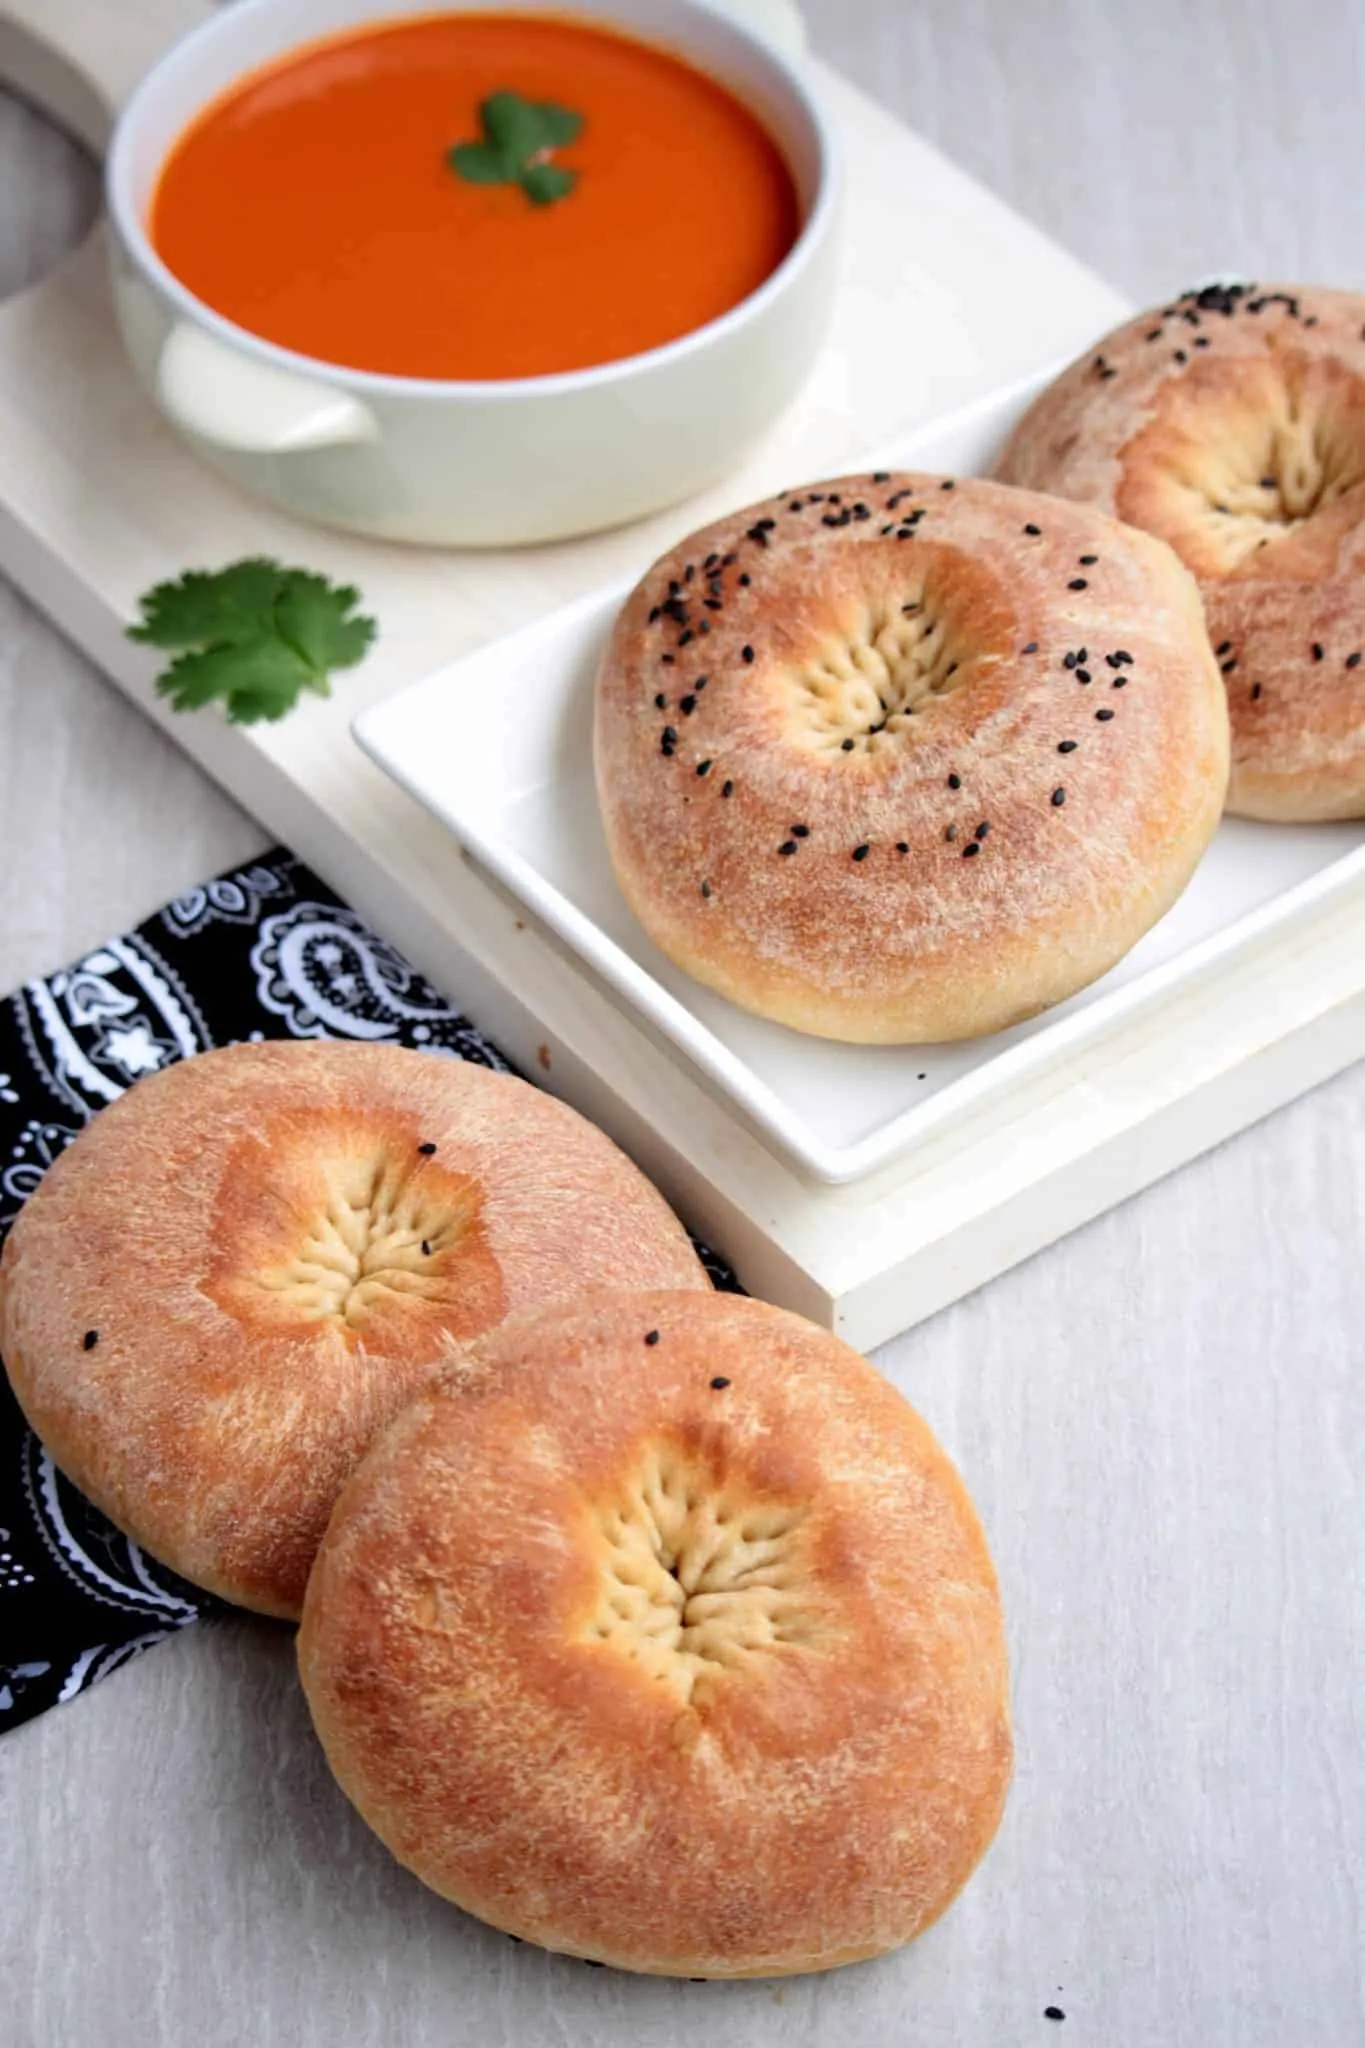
(499,747)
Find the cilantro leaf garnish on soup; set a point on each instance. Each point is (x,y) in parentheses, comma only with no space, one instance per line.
(363,200)
(518,139)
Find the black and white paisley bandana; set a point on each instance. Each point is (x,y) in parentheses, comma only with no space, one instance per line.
(265,952)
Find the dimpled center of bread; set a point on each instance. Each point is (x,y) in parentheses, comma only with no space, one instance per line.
(1238,467)
(863,688)
(377,1231)
(697,1577)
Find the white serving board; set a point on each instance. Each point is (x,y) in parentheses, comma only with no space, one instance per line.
(946,296)
(498,747)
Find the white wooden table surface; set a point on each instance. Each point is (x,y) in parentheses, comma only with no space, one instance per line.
(1161,1419)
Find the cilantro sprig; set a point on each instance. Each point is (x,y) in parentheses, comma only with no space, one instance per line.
(255,634)
(519,137)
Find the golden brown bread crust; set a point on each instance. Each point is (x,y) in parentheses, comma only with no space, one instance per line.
(1231,422)
(684,1655)
(271,1264)
(841,797)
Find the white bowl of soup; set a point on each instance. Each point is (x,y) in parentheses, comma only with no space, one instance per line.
(477,277)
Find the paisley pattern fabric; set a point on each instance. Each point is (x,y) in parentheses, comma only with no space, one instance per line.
(265,952)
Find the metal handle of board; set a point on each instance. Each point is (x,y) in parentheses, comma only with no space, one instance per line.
(77,60)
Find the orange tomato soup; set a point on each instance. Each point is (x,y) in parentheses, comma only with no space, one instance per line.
(314,202)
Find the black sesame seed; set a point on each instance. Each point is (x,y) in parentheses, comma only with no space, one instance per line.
(727,789)
(847,746)
(982,829)
(713,604)
(90,1340)
(1032,648)
(651,1336)
(951,834)
(881,476)
(800,831)
(746,655)
(719,1382)
(787,846)
(1082,675)
(426,1150)
(954,782)
(947,484)
(1255,692)
(687,705)
(1031,528)
(1070,660)
(1317,650)
(686,639)
(1082,654)
(1067,746)
(656,615)
(1078,583)
(1104,714)
(1053,2012)
(1087,561)
(1119,683)
(746,581)
(1122,654)
(1155,334)
(902,846)
(1059,797)
(861,852)
(1201,341)
(667,660)
(426,1248)
(703,767)
(1353,661)
(706,888)
(971,848)
(670,736)
(1181,356)
(701,682)
(1227,667)
(661,702)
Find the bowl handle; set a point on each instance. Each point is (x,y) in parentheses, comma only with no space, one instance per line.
(221,395)
(779,22)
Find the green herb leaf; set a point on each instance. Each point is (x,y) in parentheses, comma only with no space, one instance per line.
(519,136)
(255,634)
(559,126)
(479,163)
(545,183)
(224,606)
(514,126)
